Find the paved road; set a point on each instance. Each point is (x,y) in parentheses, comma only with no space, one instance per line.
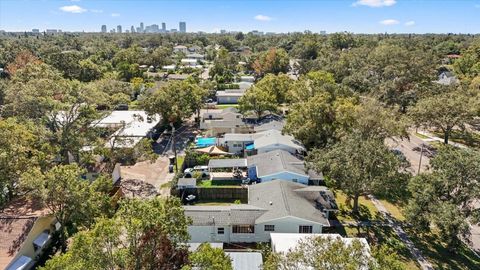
(406,147)
(424,264)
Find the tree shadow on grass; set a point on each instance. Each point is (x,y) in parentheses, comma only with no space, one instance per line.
(435,251)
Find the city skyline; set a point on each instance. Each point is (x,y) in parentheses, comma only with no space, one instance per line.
(358,16)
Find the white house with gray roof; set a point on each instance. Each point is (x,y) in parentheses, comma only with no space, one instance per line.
(276,206)
(261,142)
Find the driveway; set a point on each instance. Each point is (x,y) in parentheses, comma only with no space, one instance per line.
(155,173)
(406,147)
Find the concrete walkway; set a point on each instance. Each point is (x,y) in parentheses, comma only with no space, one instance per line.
(424,264)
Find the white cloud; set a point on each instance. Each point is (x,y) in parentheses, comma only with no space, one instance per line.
(375,3)
(115,14)
(96,10)
(389,22)
(263,18)
(73,9)
(410,23)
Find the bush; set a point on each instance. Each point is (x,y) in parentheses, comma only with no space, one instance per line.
(222,86)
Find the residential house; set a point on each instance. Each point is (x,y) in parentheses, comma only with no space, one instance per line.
(276,206)
(193,63)
(194,49)
(447,78)
(228,120)
(180,49)
(131,127)
(195,56)
(277,164)
(25,233)
(261,142)
(229,96)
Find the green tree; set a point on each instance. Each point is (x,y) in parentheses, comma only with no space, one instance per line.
(20,148)
(360,167)
(322,253)
(273,61)
(257,100)
(175,101)
(207,257)
(445,197)
(278,85)
(445,111)
(72,201)
(142,235)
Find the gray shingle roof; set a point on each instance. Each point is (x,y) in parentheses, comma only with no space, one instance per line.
(281,199)
(276,161)
(187,182)
(277,125)
(227,163)
(275,137)
(223,215)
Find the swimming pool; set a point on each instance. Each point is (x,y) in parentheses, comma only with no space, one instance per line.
(204,142)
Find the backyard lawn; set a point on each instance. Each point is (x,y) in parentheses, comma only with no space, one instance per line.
(224,106)
(208,183)
(368,211)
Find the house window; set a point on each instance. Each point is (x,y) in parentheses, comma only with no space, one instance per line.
(221,230)
(269,228)
(243,229)
(295,180)
(304,229)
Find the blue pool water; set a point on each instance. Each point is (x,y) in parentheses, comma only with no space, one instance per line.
(204,142)
(250,146)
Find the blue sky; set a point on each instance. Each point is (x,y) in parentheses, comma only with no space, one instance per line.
(359,16)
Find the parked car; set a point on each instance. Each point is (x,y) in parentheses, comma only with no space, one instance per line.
(197,169)
(428,150)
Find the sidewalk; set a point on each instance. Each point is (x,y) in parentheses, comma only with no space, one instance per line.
(424,264)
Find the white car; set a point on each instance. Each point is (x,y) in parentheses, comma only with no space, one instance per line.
(201,169)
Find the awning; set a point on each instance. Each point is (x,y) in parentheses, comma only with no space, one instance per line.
(212,150)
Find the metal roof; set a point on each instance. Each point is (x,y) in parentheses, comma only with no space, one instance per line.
(227,163)
(246,260)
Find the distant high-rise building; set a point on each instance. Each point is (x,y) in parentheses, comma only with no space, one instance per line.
(132,29)
(139,30)
(182,27)
(119,29)
(164,27)
(173,30)
(141,27)
(35,31)
(52,31)
(104,28)
(223,31)
(323,32)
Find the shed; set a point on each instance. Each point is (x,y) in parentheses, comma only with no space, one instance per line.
(187,183)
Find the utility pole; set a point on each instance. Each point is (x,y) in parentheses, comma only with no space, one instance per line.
(174,148)
(420,162)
